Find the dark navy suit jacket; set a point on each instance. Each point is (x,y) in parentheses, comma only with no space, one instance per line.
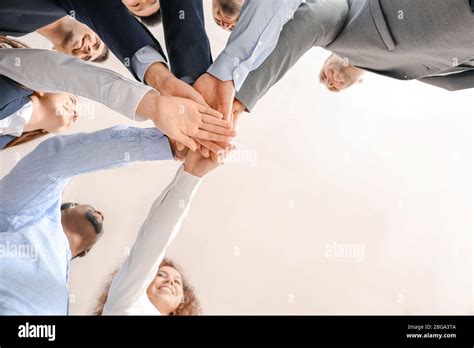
(12,98)
(183,20)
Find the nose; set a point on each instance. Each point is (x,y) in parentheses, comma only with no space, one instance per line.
(170,281)
(87,44)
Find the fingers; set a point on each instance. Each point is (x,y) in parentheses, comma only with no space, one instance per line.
(215,121)
(214,147)
(205,135)
(218,130)
(205,152)
(198,98)
(188,142)
(209,111)
(215,157)
(226,110)
(180,146)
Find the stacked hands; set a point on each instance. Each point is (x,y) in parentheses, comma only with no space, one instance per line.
(201,118)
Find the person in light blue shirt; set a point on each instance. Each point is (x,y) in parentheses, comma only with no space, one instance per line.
(253,39)
(39,235)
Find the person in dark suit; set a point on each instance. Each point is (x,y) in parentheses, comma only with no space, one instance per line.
(127,38)
(76,39)
(147,10)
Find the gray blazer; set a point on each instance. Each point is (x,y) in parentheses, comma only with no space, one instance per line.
(401,39)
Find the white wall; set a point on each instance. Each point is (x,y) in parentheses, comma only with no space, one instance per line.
(384,167)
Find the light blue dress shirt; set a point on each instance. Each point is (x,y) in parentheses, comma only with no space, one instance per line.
(34,250)
(253,39)
(142,60)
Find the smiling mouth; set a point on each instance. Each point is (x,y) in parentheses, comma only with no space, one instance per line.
(167,289)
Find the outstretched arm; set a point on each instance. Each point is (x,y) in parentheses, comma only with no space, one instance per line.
(37,181)
(251,42)
(156,234)
(49,71)
(315,23)
(187,43)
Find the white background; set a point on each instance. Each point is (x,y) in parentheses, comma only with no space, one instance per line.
(385,166)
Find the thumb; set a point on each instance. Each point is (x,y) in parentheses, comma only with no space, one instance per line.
(197,97)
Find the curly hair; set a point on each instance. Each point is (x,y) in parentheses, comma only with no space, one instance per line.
(189,306)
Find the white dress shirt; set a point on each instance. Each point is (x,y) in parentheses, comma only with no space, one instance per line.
(49,71)
(127,294)
(14,124)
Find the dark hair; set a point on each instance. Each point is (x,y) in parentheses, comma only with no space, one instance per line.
(98,226)
(152,20)
(26,137)
(189,306)
(230,7)
(103,56)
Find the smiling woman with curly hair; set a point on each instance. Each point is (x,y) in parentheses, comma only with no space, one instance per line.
(147,283)
(188,304)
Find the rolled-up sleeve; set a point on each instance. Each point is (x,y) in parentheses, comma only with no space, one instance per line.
(253,39)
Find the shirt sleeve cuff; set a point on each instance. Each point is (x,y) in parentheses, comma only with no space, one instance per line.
(186,184)
(142,60)
(156,146)
(223,67)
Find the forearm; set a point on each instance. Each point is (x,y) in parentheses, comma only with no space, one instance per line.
(156,234)
(60,158)
(253,39)
(187,43)
(295,40)
(49,71)
(157,75)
